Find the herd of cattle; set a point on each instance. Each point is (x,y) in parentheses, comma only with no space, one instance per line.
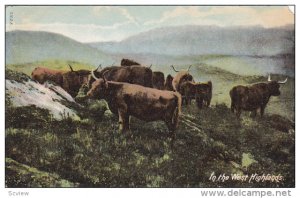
(135,90)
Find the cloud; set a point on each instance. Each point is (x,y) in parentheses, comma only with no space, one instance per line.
(227,16)
(176,12)
(104,11)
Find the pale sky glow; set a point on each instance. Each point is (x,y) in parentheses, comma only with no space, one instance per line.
(114,23)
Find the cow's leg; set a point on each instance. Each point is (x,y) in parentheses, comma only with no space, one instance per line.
(172,122)
(253,113)
(190,100)
(208,102)
(126,123)
(172,127)
(121,121)
(200,103)
(238,112)
(205,102)
(123,125)
(232,106)
(262,110)
(185,100)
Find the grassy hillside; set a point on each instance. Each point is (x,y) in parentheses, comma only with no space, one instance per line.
(31,46)
(20,174)
(92,153)
(95,154)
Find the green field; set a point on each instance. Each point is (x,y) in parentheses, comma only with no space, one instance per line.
(27,68)
(42,152)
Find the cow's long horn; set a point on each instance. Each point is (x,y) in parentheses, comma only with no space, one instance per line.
(150,66)
(174,68)
(189,68)
(269,78)
(93,75)
(71,67)
(283,82)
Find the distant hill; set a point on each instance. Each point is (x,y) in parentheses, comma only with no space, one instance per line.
(31,46)
(241,50)
(195,40)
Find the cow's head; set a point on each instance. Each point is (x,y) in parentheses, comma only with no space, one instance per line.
(93,77)
(98,87)
(73,80)
(78,77)
(188,77)
(168,83)
(169,78)
(274,86)
(185,75)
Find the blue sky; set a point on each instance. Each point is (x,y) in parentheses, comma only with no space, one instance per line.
(114,23)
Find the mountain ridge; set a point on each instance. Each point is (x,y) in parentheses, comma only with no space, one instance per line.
(31,46)
(194,40)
